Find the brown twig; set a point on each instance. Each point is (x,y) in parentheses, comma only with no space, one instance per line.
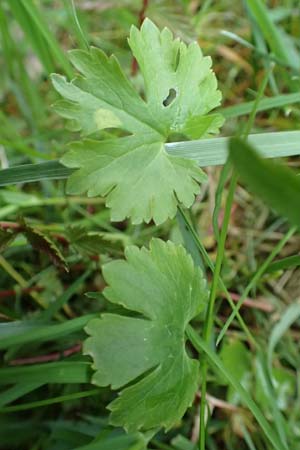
(46,358)
(255,304)
(218,403)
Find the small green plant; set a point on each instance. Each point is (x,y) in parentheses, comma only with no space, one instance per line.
(143,351)
(149,337)
(139,179)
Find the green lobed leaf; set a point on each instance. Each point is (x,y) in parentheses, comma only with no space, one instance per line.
(136,174)
(164,287)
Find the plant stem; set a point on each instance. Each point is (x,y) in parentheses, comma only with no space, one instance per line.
(210,264)
(210,310)
(51,401)
(220,254)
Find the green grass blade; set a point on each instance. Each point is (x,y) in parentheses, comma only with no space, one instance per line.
(265,104)
(206,152)
(209,263)
(75,26)
(201,346)
(58,372)
(212,152)
(277,185)
(284,264)
(50,401)
(11,335)
(17,391)
(33,35)
(36,27)
(27,173)
(269,30)
(291,314)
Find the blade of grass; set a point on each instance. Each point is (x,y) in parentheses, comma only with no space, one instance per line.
(218,198)
(277,185)
(36,27)
(265,104)
(209,320)
(265,378)
(206,258)
(28,98)
(34,172)
(269,29)
(40,332)
(33,34)
(212,152)
(284,263)
(17,391)
(206,152)
(81,37)
(51,401)
(58,372)
(290,315)
(202,347)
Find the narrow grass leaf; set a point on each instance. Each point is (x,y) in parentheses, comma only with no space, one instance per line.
(278,101)
(17,391)
(291,314)
(277,185)
(39,332)
(37,28)
(34,172)
(201,346)
(269,29)
(206,152)
(285,263)
(50,401)
(58,372)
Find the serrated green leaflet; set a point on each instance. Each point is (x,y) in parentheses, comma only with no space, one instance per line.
(136,174)
(164,286)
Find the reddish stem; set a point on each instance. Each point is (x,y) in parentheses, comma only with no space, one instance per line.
(13,292)
(45,358)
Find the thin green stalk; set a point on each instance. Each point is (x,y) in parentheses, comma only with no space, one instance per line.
(211,266)
(255,279)
(202,347)
(208,327)
(50,401)
(77,29)
(210,310)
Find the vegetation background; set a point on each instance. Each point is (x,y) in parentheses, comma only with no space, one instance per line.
(63,241)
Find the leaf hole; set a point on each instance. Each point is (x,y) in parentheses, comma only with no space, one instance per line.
(170,97)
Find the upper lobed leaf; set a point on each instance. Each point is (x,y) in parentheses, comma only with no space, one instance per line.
(138,177)
(173,70)
(164,287)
